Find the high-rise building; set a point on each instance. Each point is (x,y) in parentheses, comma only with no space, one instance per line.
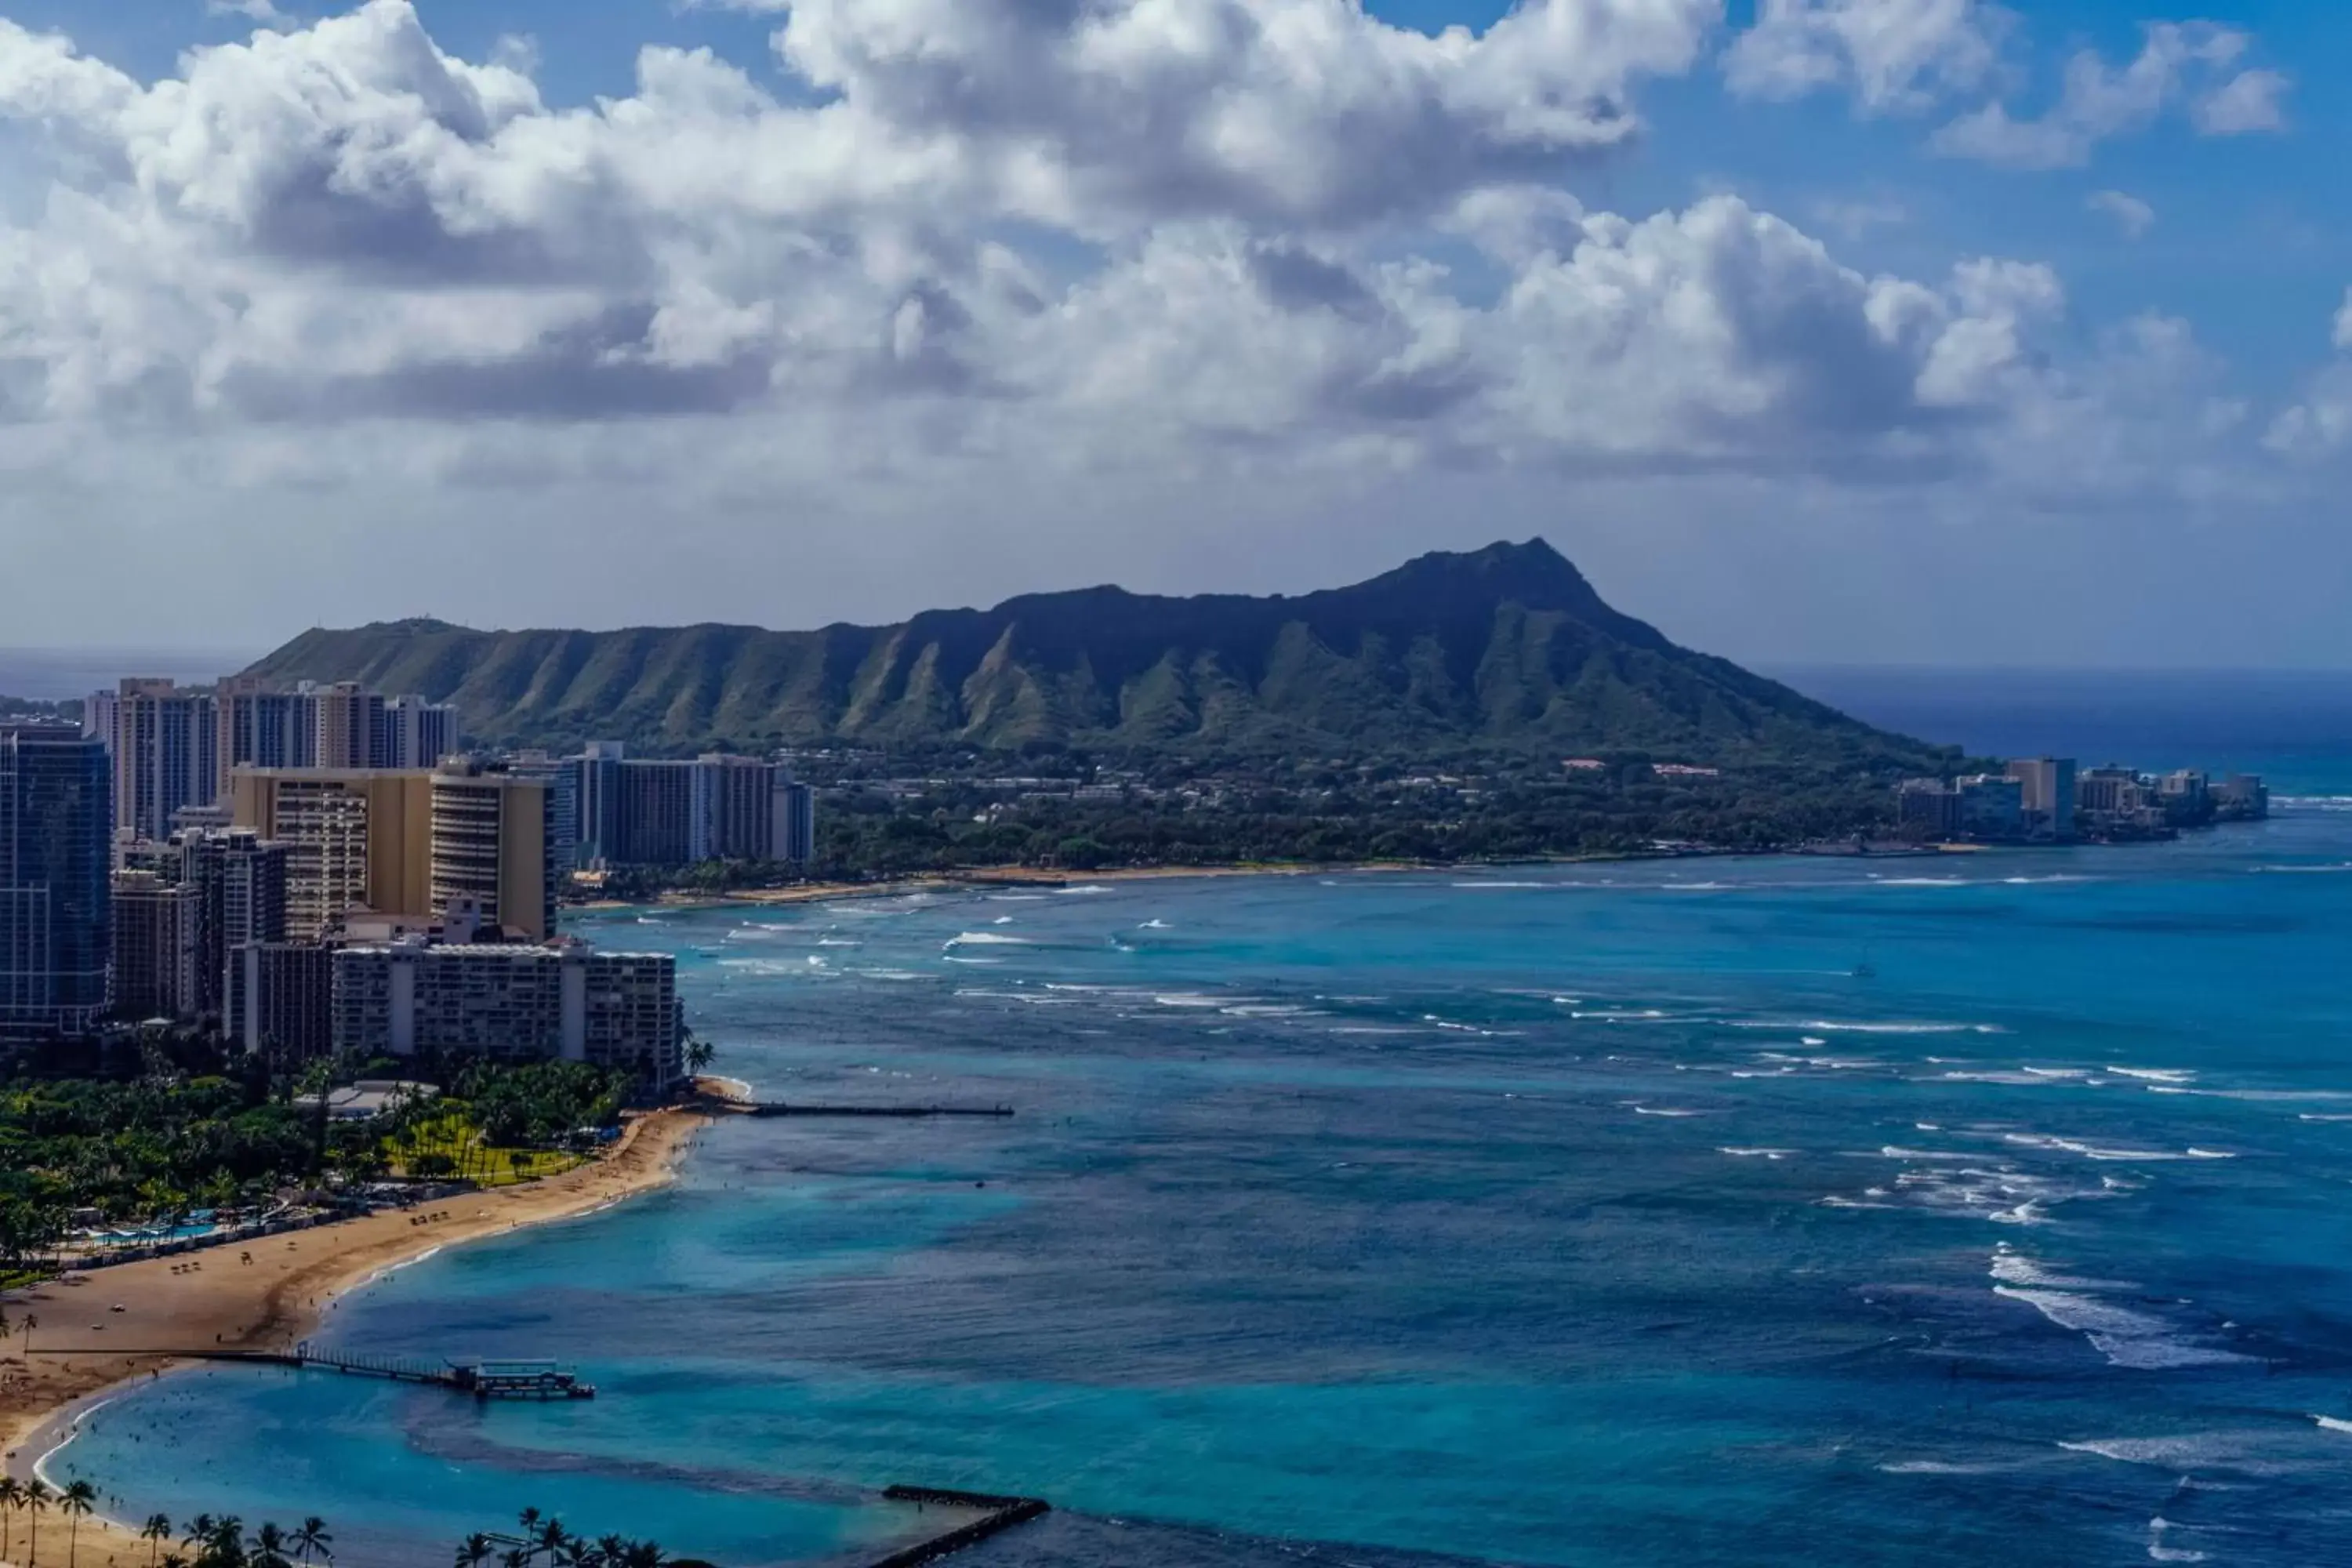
(739,813)
(166,754)
(664,815)
(599,769)
(97,718)
(493,842)
(351,727)
(422,734)
(561,777)
(714,807)
(356,838)
(261,728)
(1992,806)
(2050,796)
(404,843)
(56,819)
(511,1004)
(240,882)
(795,810)
(156,929)
(280,1000)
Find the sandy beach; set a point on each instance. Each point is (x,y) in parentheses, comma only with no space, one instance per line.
(266,1296)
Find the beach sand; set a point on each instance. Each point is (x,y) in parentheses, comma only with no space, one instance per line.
(224,1302)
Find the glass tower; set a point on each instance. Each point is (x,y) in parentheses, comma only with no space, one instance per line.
(57,819)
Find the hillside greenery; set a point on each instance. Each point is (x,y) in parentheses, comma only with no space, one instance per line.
(1505,652)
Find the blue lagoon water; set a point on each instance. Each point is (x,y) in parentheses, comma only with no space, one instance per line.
(1770,1212)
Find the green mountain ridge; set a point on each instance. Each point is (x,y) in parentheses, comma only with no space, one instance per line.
(1503,649)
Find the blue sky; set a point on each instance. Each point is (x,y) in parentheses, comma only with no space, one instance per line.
(2255,247)
(2130,337)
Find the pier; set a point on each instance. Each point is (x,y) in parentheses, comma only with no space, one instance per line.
(998,1515)
(485,1380)
(773,1108)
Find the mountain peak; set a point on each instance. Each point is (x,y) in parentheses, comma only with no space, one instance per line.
(1507,647)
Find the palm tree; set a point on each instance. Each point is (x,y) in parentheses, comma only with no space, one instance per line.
(225,1548)
(35,1500)
(11,1495)
(200,1531)
(77,1502)
(474,1551)
(550,1540)
(27,1328)
(313,1537)
(270,1549)
(155,1532)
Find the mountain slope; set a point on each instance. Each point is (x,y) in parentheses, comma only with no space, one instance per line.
(1506,649)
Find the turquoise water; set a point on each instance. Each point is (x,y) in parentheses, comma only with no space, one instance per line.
(1592,1217)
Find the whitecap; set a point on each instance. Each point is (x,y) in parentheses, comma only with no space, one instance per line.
(2156,1075)
(1081,891)
(1664,1110)
(1155,925)
(2138,1340)
(2331,1424)
(1758,1154)
(987,938)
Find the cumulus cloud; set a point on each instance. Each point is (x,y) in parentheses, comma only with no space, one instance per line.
(2134,216)
(2179,63)
(346,223)
(1896,53)
(1006,258)
(2249,102)
(2320,424)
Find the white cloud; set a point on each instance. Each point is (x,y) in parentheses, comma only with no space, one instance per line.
(2319,425)
(2178,63)
(1057,268)
(1298,111)
(261,11)
(2134,216)
(1896,54)
(2248,102)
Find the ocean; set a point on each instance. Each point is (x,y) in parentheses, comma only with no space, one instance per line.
(1709,1212)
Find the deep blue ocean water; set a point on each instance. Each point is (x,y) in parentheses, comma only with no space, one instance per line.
(1770,1212)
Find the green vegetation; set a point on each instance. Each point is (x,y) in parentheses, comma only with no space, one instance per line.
(167,1144)
(151,1150)
(1504,652)
(501,1125)
(543,1539)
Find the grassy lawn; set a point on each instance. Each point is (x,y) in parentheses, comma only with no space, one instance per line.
(458,1141)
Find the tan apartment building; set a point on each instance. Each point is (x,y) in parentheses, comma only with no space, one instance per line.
(404,843)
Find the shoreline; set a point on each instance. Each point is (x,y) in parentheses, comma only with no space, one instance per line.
(215,1300)
(982,877)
